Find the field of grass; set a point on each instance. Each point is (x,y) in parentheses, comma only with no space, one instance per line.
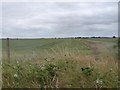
(61,63)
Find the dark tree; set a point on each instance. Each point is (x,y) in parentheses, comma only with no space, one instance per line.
(114,37)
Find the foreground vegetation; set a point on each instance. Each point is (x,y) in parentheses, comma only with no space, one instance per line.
(61,63)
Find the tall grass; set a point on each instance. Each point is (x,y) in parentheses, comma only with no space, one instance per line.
(64,66)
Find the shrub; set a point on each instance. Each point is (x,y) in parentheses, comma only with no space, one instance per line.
(45,74)
(87,71)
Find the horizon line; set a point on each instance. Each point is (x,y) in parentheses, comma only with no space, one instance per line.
(59,37)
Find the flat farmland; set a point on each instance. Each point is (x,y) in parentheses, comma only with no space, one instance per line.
(61,63)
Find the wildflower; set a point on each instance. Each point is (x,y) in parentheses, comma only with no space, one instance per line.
(43,68)
(15,75)
(17,62)
(98,81)
(13,83)
(14,67)
(111,69)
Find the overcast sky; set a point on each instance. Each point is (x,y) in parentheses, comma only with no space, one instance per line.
(65,19)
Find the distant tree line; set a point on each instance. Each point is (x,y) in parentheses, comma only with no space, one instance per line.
(96,37)
(61,38)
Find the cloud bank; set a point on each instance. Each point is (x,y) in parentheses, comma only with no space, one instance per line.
(60,19)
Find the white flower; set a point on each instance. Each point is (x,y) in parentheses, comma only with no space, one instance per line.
(111,69)
(98,81)
(17,62)
(15,75)
(43,68)
(14,67)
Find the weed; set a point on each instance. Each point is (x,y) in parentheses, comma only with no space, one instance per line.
(87,71)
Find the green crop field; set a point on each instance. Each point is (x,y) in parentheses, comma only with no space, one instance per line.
(61,63)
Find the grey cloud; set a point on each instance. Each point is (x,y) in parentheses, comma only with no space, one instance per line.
(59,19)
